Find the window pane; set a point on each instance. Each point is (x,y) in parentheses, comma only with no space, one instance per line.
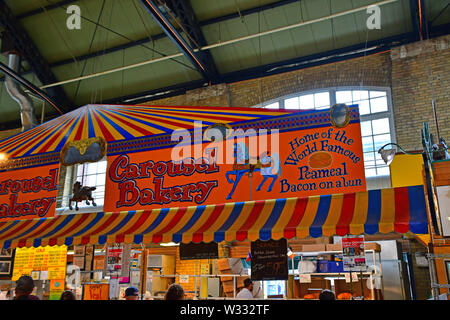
(79,170)
(360,95)
(379,160)
(367,143)
(374,94)
(380,126)
(371,172)
(383,171)
(102,166)
(91,181)
(363,107)
(378,105)
(291,103)
(275,105)
(91,168)
(343,96)
(101,178)
(381,140)
(369,156)
(307,101)
(322,99)
(366,128)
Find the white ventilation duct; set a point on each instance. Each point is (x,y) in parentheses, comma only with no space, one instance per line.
(15,91)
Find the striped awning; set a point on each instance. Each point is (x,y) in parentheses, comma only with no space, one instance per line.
(118,122)
(387,210)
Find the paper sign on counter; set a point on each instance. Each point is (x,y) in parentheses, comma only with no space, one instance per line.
(305,278)
(354,277)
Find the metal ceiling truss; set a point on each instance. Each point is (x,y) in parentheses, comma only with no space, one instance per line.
(189,23)
(424,27)
(26,48)
(195,57)
(355,51)
(413,6)
(145,40)
(43,9)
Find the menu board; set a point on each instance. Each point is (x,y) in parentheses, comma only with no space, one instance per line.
(192,251)
(50,259)
(269,260)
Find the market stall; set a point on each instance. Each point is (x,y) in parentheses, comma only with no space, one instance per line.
(195,175)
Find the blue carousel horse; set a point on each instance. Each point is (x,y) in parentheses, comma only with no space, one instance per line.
(269,169)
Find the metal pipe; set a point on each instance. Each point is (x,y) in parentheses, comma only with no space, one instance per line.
(15,91)
(220,44)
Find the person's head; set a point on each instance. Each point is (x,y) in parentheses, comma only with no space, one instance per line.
(248,284)
(24,286)
(131,293)
(327,295)
(175,292)
(68,295)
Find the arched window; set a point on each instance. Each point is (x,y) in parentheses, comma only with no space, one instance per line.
(375,108)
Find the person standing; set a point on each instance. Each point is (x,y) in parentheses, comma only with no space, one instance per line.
(246,292)
(68,295)
(24,288)
(131,293)
(175,292)
(327,295)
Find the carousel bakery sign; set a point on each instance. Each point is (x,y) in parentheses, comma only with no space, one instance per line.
(125,175)
(31,194)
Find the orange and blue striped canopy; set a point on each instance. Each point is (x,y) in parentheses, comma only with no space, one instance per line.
(118,122)
(398,210)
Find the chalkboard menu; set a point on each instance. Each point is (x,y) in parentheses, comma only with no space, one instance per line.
(192,251)
(269,260)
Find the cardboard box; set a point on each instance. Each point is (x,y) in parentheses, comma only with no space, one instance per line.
(240,281)
(313,247)
(228,286)
(334,247)
(296,247)
(222,264)
(372,246)
(226,271)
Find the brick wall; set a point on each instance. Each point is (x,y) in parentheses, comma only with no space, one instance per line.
(419,71)
(374,70)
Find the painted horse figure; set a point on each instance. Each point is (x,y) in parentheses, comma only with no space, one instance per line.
(270,168)
(81,194)
(264,164)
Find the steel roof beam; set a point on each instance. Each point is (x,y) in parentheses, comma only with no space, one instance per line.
(175,36)
(163,35)
(424,20)
(46,8)
(415,18)
(28,50)
(186,15)
(332,56)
